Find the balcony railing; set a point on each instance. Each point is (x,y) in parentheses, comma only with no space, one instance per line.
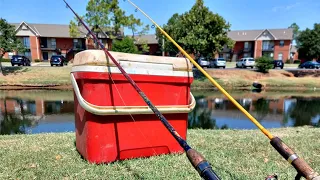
(267,48)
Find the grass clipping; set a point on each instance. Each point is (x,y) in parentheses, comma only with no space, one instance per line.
(234,154)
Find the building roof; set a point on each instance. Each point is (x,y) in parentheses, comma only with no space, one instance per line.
(238,35)
(150,39)
(54,30)
(251,35)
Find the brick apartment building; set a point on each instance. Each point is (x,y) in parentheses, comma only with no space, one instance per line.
(275,43)
(44,40)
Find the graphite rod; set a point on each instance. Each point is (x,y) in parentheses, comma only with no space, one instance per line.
(196,159)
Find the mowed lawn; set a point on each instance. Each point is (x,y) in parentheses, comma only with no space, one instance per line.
(234,154)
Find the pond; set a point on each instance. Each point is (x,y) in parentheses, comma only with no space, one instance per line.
(42,111)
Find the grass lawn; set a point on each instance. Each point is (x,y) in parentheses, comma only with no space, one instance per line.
(36,76)
(234,154)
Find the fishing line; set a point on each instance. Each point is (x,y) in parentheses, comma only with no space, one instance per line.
(196,159)
(287,153)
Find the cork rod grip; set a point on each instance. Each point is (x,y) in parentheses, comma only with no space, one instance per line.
(298,163)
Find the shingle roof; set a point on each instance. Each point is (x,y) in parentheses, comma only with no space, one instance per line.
(150,38)
(54,30)
(251,35)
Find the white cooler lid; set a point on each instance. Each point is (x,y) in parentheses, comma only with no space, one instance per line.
(128,60)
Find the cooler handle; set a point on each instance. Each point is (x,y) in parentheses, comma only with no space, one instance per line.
(124,110)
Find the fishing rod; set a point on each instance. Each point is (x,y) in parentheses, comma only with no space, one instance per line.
(196,159)
(302,168)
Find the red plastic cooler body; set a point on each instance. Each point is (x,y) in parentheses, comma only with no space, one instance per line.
(109,138)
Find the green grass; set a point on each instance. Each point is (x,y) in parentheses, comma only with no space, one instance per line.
(36,76)
(234,154)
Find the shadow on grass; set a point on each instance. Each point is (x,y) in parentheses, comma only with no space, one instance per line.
(14,70)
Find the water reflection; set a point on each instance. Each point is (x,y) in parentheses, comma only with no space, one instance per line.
(53,111)
(211,112)
(24,115)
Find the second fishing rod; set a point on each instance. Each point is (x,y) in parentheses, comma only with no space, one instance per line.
(301,166)
(196,159)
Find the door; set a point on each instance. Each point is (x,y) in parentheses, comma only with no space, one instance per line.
(45,55)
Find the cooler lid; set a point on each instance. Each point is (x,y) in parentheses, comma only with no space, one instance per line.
(98,58)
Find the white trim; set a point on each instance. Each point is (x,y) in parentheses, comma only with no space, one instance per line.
(37,30)
(263,32)
(142,71)
(28,27)
(126,110)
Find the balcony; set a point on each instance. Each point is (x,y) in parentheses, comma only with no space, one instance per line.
(267,48)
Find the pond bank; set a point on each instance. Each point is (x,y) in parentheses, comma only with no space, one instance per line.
(234,154)
(59,78)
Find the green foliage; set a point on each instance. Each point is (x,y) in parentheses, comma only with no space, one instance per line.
(296,32)
(107,18)
(37,60)
(8,40)
(6,60)
(126,45)
(198,31)
(264,63)
(309,47)
(297,61)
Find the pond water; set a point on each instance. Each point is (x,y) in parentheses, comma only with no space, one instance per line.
(42,111)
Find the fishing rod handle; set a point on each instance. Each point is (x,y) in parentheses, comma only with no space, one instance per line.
(298,163)
(201,165)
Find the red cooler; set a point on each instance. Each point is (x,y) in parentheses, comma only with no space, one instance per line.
(112,120)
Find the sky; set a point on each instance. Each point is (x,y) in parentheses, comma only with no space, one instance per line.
(241,14)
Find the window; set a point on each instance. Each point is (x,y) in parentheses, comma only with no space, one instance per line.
(246,55)
(280,56)
(246,45)
(267,45)
(281,43)
(26,42)
(53,43)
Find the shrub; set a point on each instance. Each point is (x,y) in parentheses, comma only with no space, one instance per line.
(5,60)
(37,60)
(264,63)
(297,61)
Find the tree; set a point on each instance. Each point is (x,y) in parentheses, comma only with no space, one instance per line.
(106,17)
(309,47)
(8,41)
(264,63)
(126,45)
(296,32)
(198,31)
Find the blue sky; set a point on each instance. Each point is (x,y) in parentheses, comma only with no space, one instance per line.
(242,14)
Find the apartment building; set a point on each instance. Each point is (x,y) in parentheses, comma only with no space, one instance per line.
(44,40)
(275,43)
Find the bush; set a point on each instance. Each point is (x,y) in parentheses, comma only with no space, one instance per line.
(298,61)
(37,60)
(5,60)
(264,63)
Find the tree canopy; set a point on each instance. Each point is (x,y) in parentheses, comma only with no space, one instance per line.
(105,16)
(296,31)
(8,40)
(309,47)
(198,31)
